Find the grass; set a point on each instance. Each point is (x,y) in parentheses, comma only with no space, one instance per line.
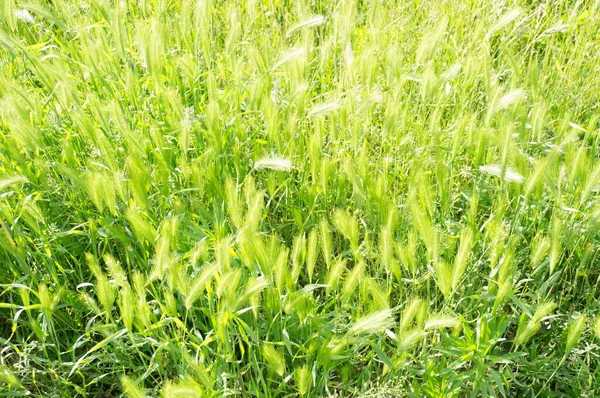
(299,198)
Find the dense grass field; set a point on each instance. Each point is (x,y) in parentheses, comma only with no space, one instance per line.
(279,198)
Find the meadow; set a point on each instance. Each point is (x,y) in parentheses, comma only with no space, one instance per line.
(299,198)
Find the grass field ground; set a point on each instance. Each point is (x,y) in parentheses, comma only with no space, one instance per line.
(299,198)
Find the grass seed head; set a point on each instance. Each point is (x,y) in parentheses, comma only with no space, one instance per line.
(274,163)
(508,174)
(574,332)
(131,388)
(442,322)
(303,379)
(274,359)
(324,109)
(373,323)
(310,22)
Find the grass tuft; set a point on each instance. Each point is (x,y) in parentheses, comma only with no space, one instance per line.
(299,198)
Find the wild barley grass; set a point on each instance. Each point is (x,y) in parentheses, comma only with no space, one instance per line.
(276,198)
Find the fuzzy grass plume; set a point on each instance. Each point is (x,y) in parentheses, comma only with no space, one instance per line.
(299,198)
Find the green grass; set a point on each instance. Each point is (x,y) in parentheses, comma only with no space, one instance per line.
(299,198)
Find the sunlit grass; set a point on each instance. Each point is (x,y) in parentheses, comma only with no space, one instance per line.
(299,198)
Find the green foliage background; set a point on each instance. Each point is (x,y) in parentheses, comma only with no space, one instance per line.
(299,198)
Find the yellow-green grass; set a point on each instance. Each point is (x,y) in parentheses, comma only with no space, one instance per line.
(299,198)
